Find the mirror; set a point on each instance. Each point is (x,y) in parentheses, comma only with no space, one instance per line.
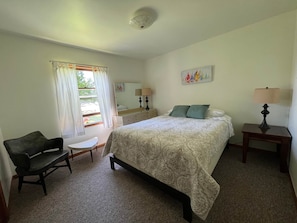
(125,96)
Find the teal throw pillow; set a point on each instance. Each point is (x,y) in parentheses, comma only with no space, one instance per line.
(179,111)
(197,111)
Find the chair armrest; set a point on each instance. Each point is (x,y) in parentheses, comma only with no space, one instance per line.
(54,144)
(21,160)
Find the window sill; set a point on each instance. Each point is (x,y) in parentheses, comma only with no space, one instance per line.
(99,123)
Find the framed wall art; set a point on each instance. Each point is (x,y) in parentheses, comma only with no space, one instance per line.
(197,75)
(120,87)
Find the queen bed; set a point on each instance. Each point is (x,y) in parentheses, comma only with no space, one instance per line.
(178,151)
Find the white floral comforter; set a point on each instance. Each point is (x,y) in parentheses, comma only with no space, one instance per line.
(177,152)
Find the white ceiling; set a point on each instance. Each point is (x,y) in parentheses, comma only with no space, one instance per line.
(102,25)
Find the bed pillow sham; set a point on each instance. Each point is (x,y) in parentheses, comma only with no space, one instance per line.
(213,112)
(197,111)
(179,111)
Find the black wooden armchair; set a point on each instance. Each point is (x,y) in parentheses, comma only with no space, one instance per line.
(33,154)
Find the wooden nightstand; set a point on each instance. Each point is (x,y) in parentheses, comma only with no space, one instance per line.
(275,134)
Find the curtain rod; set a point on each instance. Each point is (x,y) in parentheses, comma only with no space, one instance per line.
(79,64)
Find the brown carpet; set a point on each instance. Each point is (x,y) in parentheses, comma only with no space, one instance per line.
(254,192)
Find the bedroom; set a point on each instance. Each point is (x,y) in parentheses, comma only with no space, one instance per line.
(257,55)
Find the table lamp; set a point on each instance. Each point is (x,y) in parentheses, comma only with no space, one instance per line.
(266,96)
(139,93)
(146,92)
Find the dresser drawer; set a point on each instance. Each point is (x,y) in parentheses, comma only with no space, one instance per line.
(134,117)
(128,120)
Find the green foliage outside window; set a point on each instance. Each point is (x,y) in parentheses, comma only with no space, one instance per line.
(88,98)
(83,81)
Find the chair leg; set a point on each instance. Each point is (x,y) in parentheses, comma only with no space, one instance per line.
(111,159)
(68,164)
(42,183)
(91,155)
(21,179)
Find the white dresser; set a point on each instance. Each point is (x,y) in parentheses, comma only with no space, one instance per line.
(128,118)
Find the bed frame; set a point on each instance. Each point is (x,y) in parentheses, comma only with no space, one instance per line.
(186,201)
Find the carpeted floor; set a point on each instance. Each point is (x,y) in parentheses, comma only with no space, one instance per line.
(255,192)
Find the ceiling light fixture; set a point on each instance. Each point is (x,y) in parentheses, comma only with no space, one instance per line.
(143,18)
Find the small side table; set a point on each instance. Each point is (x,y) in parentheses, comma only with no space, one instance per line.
(275,134)
(85,145)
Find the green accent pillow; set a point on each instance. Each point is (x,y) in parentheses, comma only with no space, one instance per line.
(179,111)
(197,111)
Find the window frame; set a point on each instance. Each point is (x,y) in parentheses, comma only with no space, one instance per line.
(88,68)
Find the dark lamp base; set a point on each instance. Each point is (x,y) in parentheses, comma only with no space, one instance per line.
(146,100)
(264,126)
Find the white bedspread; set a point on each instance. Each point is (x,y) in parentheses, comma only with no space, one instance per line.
(177,152)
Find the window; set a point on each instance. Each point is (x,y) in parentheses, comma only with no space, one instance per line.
(71,120)
(88,97)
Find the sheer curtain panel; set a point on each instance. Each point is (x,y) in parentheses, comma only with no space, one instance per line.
(70,115)
(105,95)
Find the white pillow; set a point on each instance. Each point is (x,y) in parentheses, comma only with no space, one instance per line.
(213,112)
(167,113)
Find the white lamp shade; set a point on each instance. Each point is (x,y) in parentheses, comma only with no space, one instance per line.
(146,91)
(138,92)
(266,95)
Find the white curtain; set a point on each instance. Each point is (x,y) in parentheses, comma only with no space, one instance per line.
(105,95)
(71,122)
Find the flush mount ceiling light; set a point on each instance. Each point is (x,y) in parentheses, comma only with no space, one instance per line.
(143,18)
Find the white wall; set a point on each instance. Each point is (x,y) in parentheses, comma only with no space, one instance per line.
(293,119)
(258,55)
(6,170)
(27,88)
